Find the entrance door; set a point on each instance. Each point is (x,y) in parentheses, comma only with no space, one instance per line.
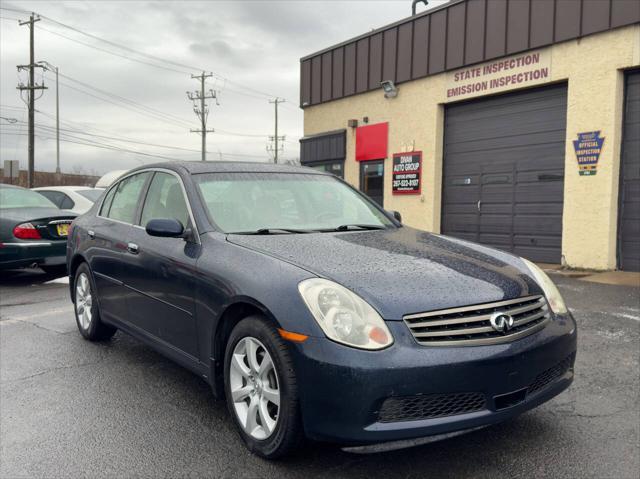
(503,172)
(629,216)
(372,180)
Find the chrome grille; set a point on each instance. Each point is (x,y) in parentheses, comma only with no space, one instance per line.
(470,325)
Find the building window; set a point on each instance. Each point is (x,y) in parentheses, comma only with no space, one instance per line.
(372,180)
(335,167)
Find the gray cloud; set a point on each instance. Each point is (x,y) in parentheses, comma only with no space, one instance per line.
(255,44)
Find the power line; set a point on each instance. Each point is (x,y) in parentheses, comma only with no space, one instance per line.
(189,68)
(126,100)
(89,142)
(113,53)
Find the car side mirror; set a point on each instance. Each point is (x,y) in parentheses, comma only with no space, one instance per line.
(397,215)
(165,228)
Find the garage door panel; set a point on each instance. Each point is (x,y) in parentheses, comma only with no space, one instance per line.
(517,144)
(537,240)
(629,201)
(542,131)
(542,224)
(461,222)
(538,193)
(495,224)
(539,254)
(496,195)
(497,209)
(504,142)
(524,209)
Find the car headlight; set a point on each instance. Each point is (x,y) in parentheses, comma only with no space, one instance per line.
(554,298)
(344,316)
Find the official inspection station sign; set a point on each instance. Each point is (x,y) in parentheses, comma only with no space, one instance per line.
(588,147)
(407,169)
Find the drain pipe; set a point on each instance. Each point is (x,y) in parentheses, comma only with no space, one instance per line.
(415,2)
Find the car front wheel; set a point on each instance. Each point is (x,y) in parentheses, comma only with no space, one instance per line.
(86,307)
(261,390)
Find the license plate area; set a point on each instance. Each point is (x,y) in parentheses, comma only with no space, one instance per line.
(62,229)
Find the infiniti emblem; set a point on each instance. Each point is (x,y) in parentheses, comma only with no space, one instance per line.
(501,322)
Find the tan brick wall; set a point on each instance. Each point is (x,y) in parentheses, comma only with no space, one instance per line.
(592,66)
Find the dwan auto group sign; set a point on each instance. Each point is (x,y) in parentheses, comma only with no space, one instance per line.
(518,71)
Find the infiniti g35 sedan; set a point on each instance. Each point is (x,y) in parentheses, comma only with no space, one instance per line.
(313,311)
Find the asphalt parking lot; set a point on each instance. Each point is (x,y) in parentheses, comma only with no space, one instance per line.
(70,408)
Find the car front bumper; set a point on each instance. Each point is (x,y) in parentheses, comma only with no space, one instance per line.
(342,390)
(40,252)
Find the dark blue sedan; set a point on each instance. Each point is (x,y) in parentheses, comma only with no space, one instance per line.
(313,311)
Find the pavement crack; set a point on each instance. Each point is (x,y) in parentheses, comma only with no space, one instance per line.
(50,370)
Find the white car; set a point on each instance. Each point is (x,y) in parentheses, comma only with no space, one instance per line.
(108,178)
(73,198)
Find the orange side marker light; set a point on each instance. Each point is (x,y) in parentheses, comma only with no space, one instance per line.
(295,337)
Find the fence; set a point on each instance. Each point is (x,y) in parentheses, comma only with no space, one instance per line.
(47,178)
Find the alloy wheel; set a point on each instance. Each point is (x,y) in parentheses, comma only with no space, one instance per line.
(83,301)
(254,387)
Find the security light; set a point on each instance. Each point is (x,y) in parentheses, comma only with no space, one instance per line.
(390,90)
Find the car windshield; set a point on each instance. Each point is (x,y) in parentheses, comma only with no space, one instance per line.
(22,198)
(91,195)
(285,203)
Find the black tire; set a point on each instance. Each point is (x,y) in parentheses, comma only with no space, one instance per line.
(288,433)
(94,329)
(57,271)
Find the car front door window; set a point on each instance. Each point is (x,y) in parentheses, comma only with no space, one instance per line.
(126,198)
(165,200)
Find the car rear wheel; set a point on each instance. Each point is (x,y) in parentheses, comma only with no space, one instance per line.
(261,389)
(86,307)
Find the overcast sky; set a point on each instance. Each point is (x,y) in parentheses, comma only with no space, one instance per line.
(253,48)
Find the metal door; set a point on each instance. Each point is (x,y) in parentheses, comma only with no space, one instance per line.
(629,210)
(503,172)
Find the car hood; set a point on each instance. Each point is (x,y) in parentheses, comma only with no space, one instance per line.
(402,271)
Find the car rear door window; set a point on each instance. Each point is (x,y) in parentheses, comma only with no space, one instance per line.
(66,203)
(126,198)
(54,196)
(106,204)
(165,199)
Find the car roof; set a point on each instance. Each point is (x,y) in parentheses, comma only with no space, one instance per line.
(5,185)
(197,167)
(66,188)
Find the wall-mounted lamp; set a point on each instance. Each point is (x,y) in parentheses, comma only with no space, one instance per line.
(352,123)
(390,89)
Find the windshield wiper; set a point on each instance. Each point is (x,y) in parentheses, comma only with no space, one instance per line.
(271,231)
(358,227)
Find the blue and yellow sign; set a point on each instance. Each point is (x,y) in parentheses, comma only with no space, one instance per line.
(588,147)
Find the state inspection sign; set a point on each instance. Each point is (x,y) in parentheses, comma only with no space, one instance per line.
(407,169)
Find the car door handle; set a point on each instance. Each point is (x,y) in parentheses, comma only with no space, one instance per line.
(479,204)
(132,248)
(91,234)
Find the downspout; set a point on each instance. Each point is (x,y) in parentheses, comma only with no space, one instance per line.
(415,2)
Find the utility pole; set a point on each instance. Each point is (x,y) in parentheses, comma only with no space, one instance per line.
(202,111)
(49,66)
(275,138)
(31,88)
